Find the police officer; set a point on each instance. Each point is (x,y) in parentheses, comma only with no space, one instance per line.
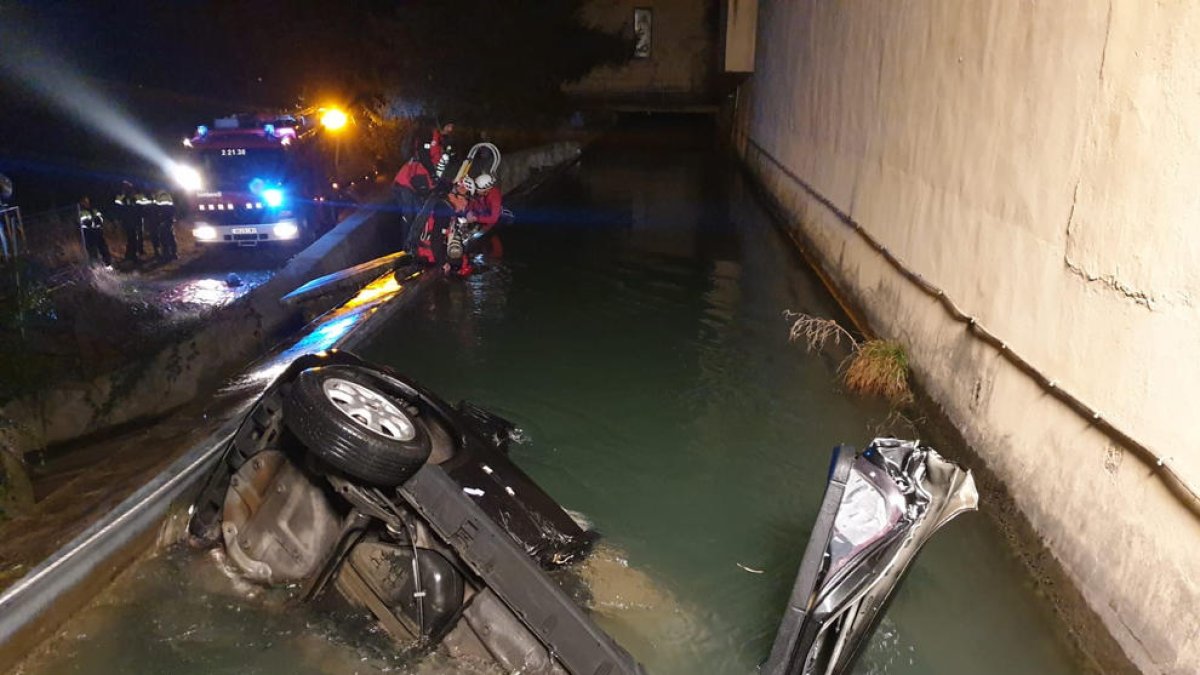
(128,213)
(91,227)
(164,226)
(143,205)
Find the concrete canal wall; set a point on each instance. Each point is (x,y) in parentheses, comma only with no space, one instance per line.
(235,333)
(1035,163)
(677,58)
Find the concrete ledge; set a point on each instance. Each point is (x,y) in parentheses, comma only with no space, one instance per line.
(184,370)
(519,169)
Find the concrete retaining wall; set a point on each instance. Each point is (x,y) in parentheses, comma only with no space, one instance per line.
(682,51)
(234,334)
(1034,161)
(522,170)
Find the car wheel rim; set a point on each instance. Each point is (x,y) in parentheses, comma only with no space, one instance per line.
(368,408)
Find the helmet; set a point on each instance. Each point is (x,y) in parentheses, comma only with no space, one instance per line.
(484,182)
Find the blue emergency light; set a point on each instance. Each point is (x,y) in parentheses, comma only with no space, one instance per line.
(273,197)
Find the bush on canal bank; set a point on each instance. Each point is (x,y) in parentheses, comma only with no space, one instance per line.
(873,367)
(879,368)
(16,491)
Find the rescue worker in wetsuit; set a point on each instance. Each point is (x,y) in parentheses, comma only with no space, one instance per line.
(483,210)
(412,187)
(129,213)
(91,227)
(420,176)
(164,226)
(436,234)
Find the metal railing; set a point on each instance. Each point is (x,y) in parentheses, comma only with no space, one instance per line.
(12,232)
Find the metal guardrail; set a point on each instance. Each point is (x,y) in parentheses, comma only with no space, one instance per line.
(35,594)
(25,606)
(12,232)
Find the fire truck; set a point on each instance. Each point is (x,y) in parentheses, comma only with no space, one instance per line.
(256,179)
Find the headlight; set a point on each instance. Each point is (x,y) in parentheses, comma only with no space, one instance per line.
(273,197)
(186,177)
(204,233)
(286,230)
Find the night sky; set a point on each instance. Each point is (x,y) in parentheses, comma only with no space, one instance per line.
(170,66)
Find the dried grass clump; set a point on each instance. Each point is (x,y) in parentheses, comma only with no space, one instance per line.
(817,332)
(874,367)
(879,368)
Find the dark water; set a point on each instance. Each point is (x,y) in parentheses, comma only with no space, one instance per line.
(634,332)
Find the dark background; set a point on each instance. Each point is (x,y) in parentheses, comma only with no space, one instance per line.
(172,65)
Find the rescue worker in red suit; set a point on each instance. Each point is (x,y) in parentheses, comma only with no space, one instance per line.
(483,210)
(420,176)
(440,224)
(470,211)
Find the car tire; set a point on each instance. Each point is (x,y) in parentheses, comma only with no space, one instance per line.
(352,419)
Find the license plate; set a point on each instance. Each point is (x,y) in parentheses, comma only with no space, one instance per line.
(245,230)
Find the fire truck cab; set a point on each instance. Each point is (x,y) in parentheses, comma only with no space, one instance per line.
(260,180)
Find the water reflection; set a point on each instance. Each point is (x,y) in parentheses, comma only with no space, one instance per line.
(212,622)
(642,349)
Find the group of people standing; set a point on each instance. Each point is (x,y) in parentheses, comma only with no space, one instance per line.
(143,216)
(444,215)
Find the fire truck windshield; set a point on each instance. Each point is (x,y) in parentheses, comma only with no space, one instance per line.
(236,168)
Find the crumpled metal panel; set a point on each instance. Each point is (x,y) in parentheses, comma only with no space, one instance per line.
(880,509)
(278,525)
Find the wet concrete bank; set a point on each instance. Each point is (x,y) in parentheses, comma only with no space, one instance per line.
(232,335)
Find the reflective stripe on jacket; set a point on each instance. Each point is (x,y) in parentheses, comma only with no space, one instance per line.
(90,219)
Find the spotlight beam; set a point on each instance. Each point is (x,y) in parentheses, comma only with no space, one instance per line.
(60,84)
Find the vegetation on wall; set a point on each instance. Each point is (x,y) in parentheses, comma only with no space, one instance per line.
(873,368)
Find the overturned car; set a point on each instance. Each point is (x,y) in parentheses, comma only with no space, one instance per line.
(346,476)
(880,507)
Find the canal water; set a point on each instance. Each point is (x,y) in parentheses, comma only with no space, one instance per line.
(634,331)
(635,334)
